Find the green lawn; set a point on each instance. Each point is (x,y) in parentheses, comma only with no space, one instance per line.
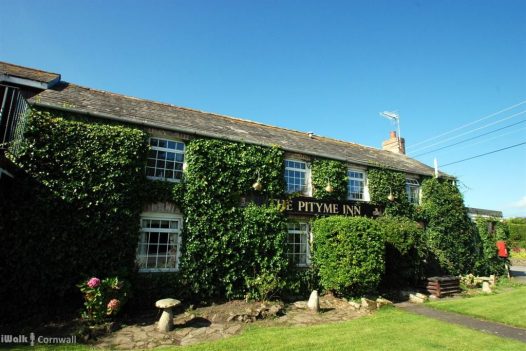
(389,329)
(507,307)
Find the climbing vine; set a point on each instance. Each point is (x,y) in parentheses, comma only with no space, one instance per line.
(225,244)
(383,182)
(450,235)
(75,212)
(329,172)
(490,230)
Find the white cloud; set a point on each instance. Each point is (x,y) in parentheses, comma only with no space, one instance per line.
(520,204)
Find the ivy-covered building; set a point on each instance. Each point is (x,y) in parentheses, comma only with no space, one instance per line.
(312,185)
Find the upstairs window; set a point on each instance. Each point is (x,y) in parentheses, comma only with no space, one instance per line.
(165,160)
(412,188)
(356,184)
(296,176)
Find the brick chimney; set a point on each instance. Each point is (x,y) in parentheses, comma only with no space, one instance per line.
(394,144)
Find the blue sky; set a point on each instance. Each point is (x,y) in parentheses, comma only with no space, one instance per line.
(324,66)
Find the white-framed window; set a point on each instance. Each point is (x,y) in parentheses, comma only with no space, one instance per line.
(356,184)
(298,243)
(296,177)
(412,188)
(159,242)
(165,160)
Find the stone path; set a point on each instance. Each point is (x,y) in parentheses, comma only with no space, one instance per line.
(210,324)
(188,330)
(473,323)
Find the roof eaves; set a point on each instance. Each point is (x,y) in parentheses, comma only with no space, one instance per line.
(27,82)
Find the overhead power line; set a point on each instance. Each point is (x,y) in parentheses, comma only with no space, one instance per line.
(487,153)
(472,130)
(495,137)
(469,139)
(468,124)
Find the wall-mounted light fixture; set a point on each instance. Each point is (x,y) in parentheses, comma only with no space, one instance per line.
(329,187)
(257,186)
(390,197)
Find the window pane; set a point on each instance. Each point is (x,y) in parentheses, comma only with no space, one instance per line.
(295,176)
(297,242)
(157,248)
(160,161)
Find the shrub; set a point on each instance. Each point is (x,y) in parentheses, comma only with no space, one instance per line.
(450,235)
(404,251)
(264,286)
(488,262)
(103,299)
(517,228)
(349,252)
(299,282)
(152,286)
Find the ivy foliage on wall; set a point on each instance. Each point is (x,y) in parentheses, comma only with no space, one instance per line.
(225,246)
(490,230)
(383,182)
(89,178)
(450,235)
(329,172)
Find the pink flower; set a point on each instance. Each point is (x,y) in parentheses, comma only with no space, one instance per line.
(93,282)
(113,304)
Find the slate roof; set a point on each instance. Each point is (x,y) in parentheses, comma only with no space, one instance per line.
(104,104)
(28,73)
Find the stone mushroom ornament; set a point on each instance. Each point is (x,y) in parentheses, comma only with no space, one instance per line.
(165,323)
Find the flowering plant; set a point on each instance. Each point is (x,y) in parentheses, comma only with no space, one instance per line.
(93,282)
(102,298)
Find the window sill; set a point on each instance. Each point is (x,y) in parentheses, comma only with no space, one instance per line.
(302,265)
(171,180)
(358,200)
(157,270)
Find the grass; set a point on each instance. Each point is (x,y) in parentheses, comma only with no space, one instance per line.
(506,307)
(519,253)
(388,329)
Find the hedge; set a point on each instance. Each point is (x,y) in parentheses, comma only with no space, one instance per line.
(349,253)
(450,235)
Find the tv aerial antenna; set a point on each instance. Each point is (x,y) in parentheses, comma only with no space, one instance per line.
(395,117)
